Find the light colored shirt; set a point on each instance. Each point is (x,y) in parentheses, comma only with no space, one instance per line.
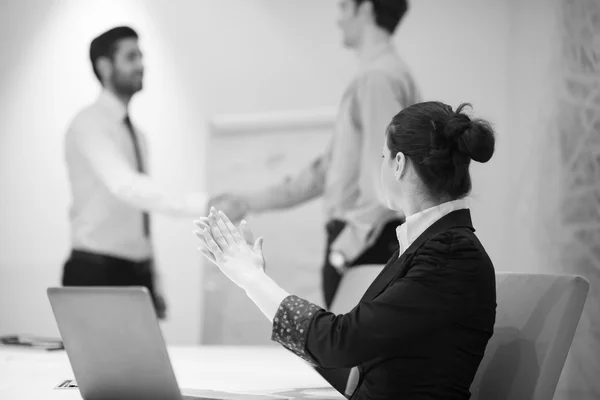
(108,193)
(347,174)
(417,223)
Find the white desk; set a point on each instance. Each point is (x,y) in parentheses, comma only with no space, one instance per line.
(33,374)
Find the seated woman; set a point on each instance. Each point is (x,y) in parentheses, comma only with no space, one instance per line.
(421,329)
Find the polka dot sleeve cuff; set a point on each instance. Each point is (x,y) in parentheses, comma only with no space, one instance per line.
(290,325)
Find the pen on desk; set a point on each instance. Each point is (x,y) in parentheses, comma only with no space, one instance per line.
(31,342)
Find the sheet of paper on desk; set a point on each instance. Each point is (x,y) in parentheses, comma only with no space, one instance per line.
(321,393)
(192,394)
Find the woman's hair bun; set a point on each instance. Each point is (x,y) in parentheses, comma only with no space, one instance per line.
(474,137)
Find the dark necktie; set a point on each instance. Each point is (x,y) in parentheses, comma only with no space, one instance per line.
(140,168)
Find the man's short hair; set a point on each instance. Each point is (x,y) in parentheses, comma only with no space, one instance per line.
(388,13)
(105,45)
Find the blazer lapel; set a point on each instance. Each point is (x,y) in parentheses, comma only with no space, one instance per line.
(384,276)
(399,265)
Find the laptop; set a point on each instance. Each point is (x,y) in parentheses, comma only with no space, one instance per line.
(116,348)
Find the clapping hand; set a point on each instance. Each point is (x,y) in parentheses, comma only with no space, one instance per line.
(234,206)
(203,223)
(231,249)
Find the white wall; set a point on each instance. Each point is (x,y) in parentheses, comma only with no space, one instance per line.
(204,58)
(533,74)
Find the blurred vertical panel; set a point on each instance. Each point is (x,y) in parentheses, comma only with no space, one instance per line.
(294,238)
(554,108)
(577,123)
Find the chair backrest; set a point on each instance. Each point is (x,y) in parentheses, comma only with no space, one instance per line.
(354,284)
(536,318)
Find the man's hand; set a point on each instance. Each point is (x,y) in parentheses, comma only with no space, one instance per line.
(235,206)
(160,305)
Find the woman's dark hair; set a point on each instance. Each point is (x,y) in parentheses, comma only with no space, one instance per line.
(441,143)
(105,45)
(388,13)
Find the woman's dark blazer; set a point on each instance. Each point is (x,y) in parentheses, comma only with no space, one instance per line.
(421,328)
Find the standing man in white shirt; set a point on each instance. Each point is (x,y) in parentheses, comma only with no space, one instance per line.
(360,229)
(112,194)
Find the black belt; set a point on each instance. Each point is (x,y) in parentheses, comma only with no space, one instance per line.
(334,225)
(97,258)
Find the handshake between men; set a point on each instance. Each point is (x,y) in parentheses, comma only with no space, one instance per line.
(234,206)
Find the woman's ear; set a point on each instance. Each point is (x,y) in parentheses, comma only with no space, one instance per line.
(400,161)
